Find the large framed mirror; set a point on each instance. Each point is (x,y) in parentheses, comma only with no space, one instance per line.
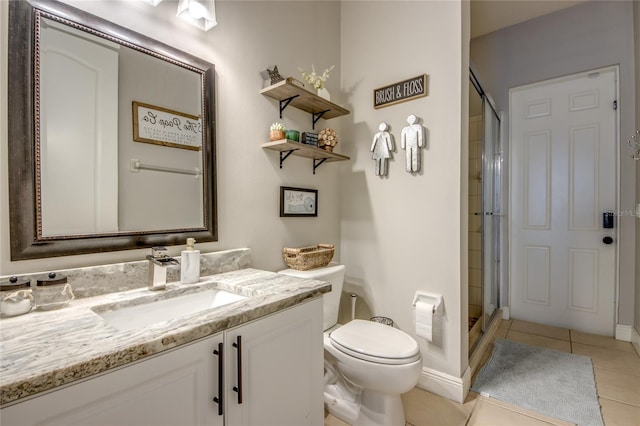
(111,136)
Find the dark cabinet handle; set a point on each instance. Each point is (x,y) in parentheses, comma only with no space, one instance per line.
(238,346)
(607,240)
(220,399)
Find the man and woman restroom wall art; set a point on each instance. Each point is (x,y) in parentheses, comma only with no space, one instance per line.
(412,140)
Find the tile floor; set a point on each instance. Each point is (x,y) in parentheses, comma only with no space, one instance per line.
(616,366)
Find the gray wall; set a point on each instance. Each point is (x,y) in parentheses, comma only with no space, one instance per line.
(591,35)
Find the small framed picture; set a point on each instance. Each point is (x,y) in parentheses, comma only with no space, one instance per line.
(298,202)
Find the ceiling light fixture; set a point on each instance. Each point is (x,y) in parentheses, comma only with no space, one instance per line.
(153,3)
(199,13)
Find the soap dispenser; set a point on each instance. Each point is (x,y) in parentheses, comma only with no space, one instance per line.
(190,263)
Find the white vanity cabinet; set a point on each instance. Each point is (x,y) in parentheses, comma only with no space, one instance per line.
(277,370)
(280,366)
(172,388)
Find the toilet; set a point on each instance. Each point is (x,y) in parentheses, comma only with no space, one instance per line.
(368,365)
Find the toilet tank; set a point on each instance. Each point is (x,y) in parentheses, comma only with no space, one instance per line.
(334,274)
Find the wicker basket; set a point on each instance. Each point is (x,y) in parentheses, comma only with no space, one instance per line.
(306,258)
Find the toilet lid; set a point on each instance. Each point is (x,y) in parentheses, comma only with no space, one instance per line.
(372,341)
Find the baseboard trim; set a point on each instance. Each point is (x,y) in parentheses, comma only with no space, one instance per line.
(445,385)
(635,339)
(623,332)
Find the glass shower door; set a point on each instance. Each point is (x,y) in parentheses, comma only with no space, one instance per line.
(491,168)
(485,167)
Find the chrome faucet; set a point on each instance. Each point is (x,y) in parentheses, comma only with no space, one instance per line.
(159,260)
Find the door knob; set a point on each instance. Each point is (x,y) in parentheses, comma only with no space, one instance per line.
(607,240)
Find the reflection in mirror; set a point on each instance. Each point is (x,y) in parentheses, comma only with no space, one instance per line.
(122,145)
(88,139)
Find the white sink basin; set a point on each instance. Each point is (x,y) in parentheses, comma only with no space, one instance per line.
(134,317)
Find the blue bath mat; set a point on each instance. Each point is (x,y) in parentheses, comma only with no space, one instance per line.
(554,383)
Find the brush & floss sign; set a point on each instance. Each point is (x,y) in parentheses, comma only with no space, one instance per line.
(402,91)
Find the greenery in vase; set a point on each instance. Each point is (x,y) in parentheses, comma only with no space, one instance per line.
(275,127)
(314,79)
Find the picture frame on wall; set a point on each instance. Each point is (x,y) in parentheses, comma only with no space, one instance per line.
(162,126)
(298,202)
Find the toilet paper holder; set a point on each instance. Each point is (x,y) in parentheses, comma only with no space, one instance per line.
(431,298)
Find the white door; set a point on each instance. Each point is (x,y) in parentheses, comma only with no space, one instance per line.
(563,178)
(79,134)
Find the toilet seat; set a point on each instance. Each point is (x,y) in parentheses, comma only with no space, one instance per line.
(375,342)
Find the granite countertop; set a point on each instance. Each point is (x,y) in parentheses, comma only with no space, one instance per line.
(42,350)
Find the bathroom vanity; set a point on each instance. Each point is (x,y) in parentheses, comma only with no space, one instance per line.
(258,360)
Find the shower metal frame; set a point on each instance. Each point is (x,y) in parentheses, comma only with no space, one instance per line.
(496,211)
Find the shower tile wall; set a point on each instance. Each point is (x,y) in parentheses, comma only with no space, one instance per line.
(475,221)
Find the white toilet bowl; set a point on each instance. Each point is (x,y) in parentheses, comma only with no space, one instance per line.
(368,365)
(376,364)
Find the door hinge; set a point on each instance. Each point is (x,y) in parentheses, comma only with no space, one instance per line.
(615,105)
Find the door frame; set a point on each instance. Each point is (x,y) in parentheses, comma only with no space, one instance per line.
(617,179)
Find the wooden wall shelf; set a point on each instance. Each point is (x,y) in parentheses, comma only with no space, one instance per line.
(287,147)
(287,92)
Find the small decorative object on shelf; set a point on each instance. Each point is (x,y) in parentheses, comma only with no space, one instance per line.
(309,138)
(271,76)
(324,93)
(277,131)
(317,81)
(293,135)
(327,139)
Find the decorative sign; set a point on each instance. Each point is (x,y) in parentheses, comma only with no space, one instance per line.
(162,126)
(308,138)
(298,202)
(402,91)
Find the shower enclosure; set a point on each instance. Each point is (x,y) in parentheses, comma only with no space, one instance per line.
(485,167)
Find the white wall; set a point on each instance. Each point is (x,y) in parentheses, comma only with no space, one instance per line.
(249,37)
(408,232)
(591,35)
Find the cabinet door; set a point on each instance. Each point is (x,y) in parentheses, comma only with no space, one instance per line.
(281,359)
(173,388)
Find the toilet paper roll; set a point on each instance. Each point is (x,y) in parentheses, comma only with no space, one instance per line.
(424,320)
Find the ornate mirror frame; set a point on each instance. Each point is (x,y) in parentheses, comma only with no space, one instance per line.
(22,133)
